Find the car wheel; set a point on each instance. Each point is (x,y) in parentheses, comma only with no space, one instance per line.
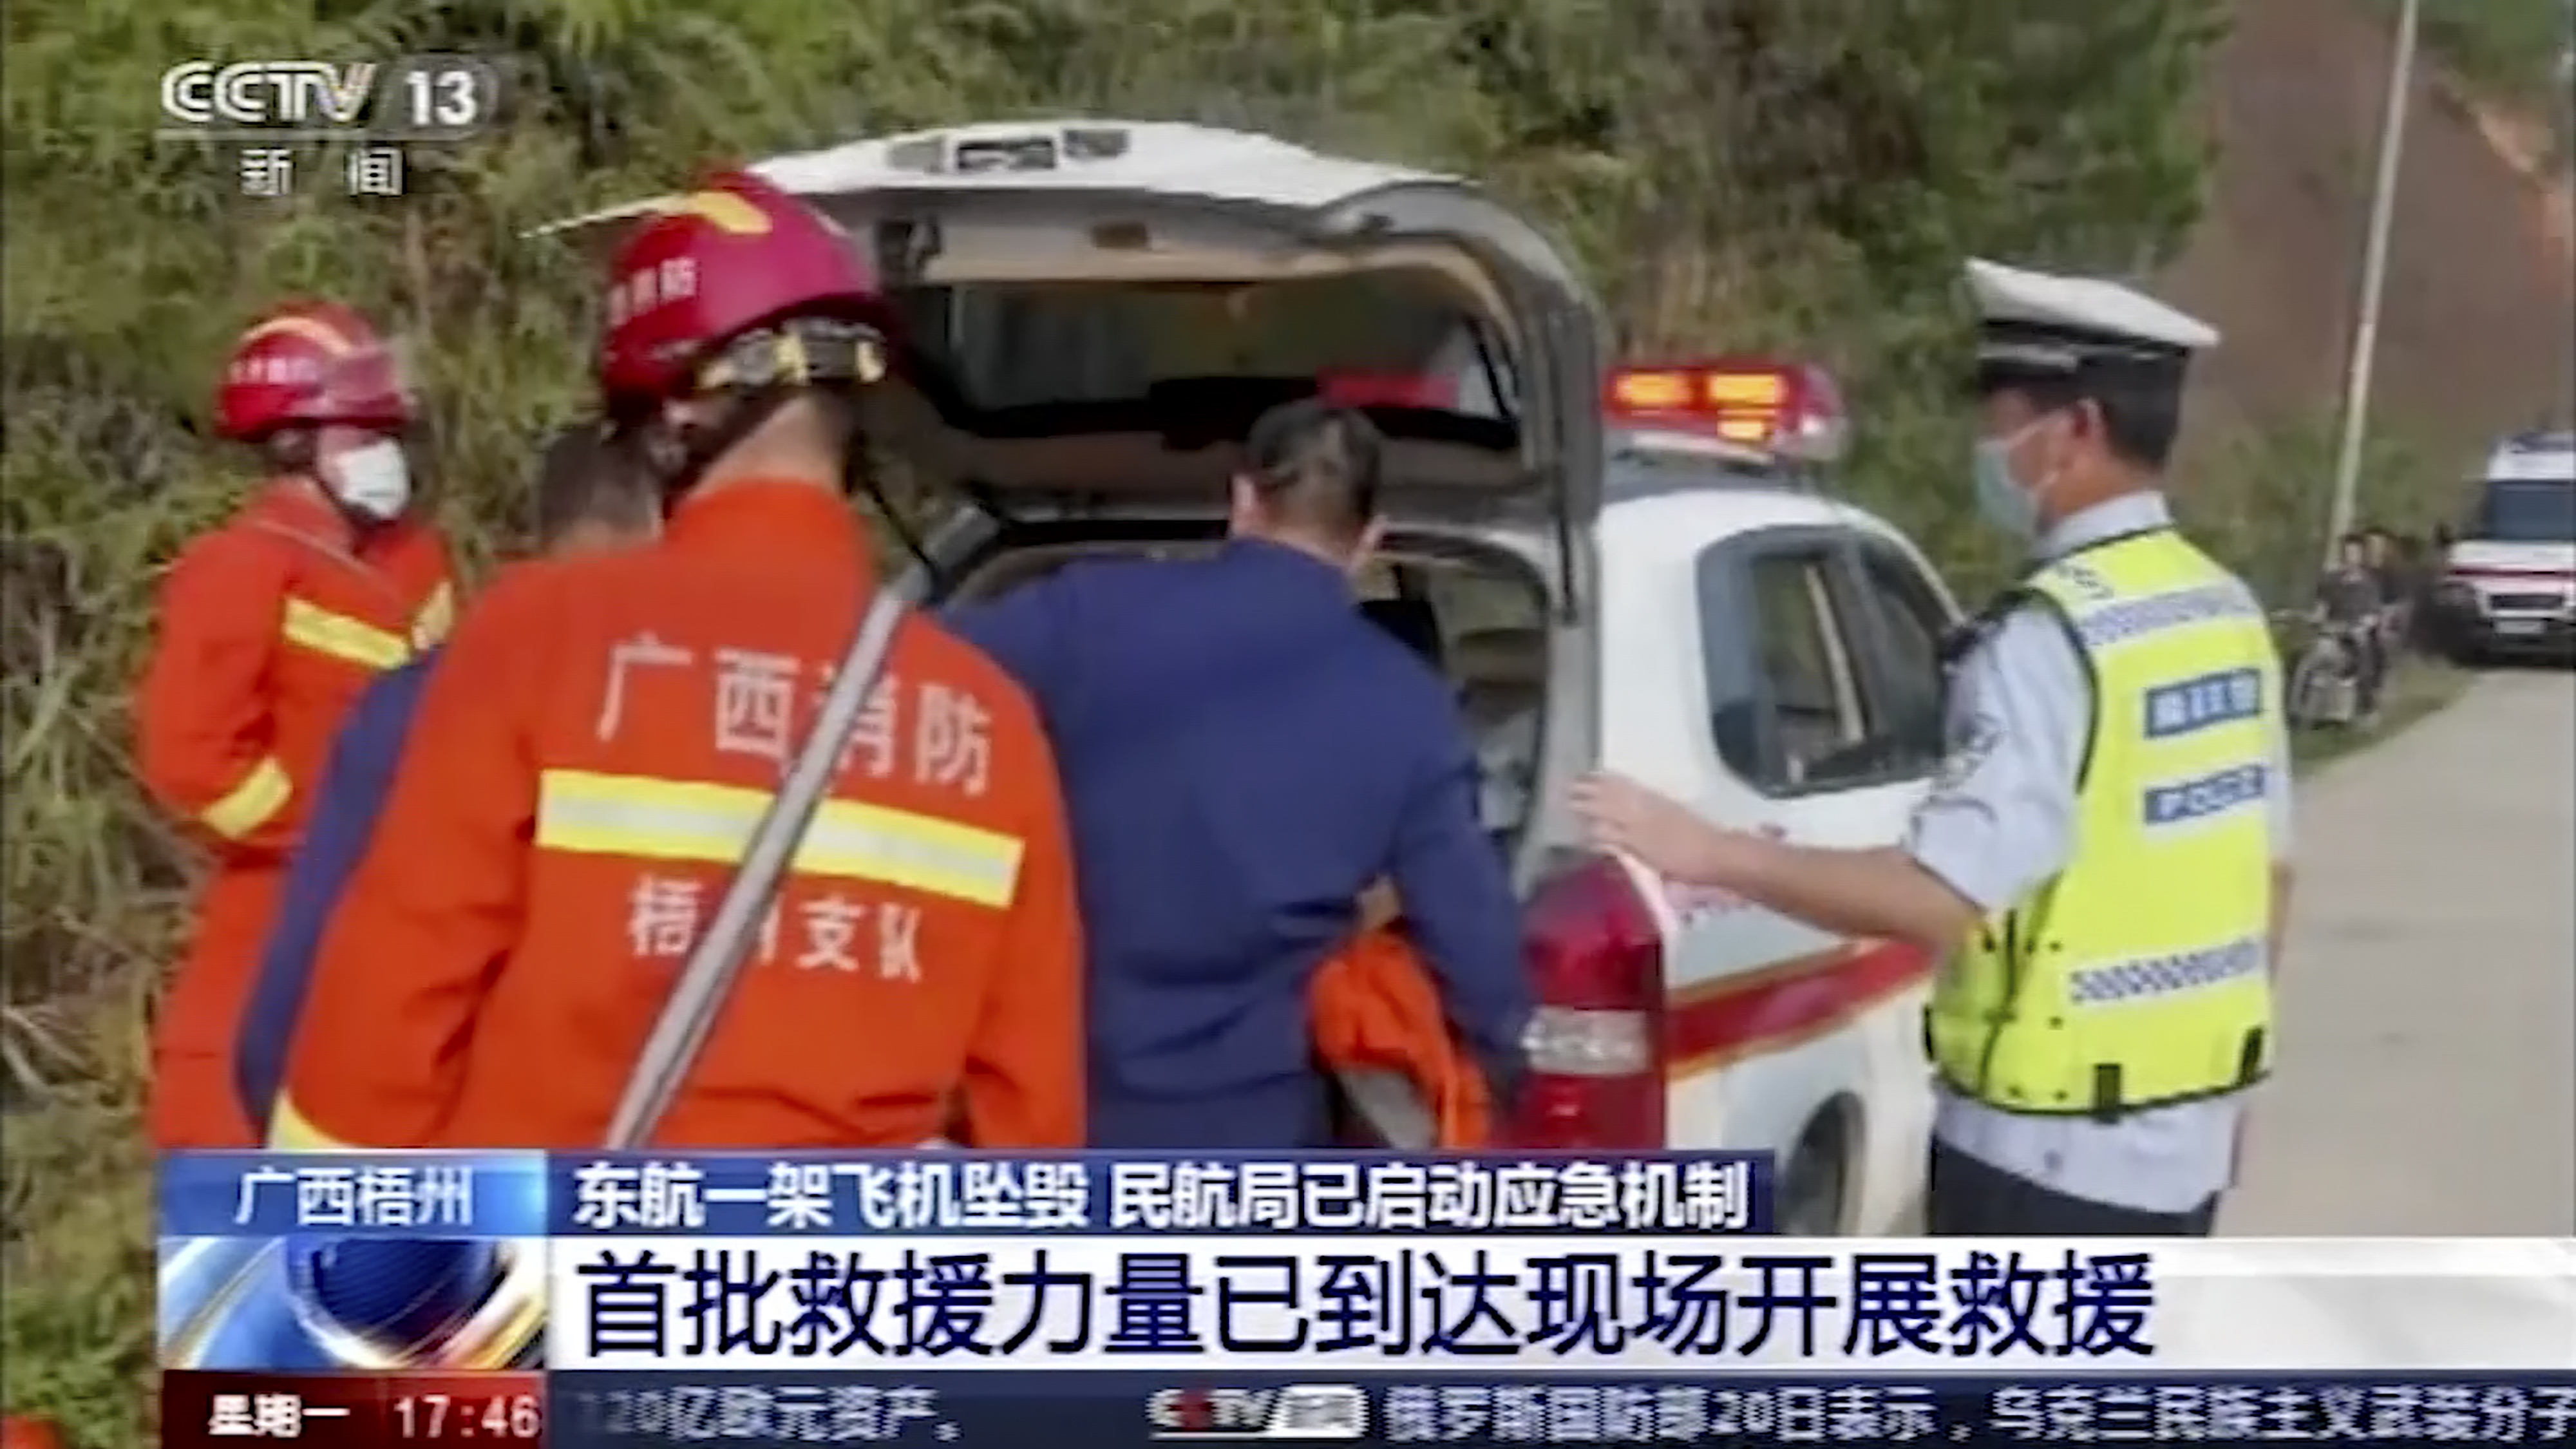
(1813,1184)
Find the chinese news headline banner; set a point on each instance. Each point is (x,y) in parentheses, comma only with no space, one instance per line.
(1152,1288)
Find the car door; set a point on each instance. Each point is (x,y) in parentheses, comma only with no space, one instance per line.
(1899,615)
(1758,1055)
(1786,1037)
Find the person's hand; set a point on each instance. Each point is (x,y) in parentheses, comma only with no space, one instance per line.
(1661,832)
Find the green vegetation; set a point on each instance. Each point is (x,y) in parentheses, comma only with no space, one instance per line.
(1744,175)
(2521,52)
(2516,48)
(2261,502)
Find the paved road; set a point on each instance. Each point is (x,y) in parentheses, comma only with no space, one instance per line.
(2427,1080)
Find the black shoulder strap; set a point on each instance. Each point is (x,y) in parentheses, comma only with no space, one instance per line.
(1968,633)
(2025,592)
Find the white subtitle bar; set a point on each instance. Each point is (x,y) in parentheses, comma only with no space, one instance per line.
(1581,1303)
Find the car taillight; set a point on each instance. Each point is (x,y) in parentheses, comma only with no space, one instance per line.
(1596,1074)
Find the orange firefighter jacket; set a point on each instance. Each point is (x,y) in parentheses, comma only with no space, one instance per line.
(269,627)
(589,759)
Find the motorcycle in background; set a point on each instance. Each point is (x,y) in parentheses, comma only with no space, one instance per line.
(2325,682)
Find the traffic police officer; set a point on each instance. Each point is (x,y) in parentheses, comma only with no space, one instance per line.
(2104,858)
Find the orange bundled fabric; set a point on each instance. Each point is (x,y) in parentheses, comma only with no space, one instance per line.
(1376,1008)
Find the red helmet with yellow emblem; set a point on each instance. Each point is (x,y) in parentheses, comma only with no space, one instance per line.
(310,364)
(715,291)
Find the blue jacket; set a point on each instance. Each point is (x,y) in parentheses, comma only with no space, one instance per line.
(355,782)
(1242,753)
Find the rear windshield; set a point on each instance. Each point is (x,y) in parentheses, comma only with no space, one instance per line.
(2526,513)
(1011,346)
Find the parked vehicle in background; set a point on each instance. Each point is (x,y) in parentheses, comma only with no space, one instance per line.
(2508,585)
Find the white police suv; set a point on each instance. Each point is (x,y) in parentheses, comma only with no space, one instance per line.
(2508,582)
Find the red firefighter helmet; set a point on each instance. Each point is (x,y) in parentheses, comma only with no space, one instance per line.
(308,364)
(733,256)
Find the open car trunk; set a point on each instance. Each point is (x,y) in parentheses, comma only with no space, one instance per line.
(1475,610)
(1472,604)
(1095,312)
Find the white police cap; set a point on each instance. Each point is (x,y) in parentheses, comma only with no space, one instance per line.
(2037,324)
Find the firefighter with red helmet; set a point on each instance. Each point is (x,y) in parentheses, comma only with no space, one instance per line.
(602,735)
(268,628)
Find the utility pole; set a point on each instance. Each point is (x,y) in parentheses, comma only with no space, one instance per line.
(2374,281)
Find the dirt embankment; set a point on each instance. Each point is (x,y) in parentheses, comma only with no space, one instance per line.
(2478,329)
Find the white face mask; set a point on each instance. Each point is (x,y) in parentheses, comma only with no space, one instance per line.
(372,482)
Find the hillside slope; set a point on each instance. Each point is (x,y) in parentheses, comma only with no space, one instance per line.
(2481,304)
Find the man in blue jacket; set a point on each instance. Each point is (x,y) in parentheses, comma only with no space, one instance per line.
(588,498)
(1243,751)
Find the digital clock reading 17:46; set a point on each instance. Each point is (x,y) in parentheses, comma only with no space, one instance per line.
(453,1418)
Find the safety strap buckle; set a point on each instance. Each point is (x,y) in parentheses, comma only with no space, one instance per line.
(2106,1092)
(798,352)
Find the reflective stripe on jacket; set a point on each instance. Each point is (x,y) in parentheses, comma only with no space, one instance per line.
(2139,976)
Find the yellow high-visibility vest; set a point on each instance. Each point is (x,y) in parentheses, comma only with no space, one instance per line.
(2139,976)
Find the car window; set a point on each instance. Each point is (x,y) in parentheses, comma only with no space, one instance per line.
(1822,659)
(1901,665)
(2525,512)
(1018,344)
(1783,701)
(1795,646)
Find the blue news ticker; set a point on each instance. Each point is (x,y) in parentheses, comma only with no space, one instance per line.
(838,1194)
(934,1193)
(376,1194)
(287,1262)
(383,1260)
(314,1303)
